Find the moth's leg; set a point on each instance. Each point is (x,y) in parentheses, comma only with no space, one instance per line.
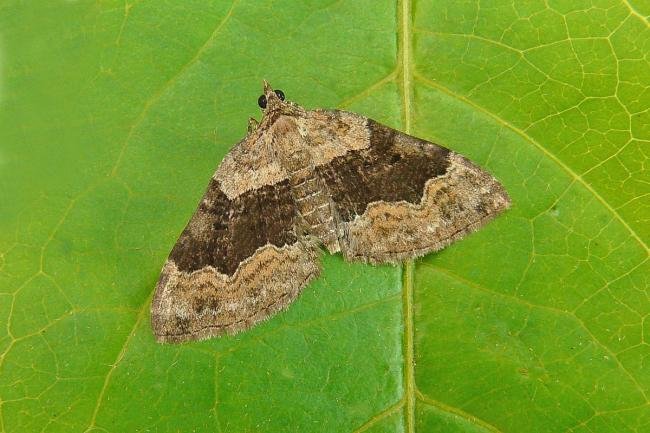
(252,125)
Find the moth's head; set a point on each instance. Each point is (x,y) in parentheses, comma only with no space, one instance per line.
(271,100)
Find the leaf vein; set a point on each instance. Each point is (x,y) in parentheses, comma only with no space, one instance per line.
(153,99)
(425,81)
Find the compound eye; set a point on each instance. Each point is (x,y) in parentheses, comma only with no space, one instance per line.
(280,94)
(261,101)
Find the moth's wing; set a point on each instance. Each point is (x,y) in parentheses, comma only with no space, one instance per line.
(239,260)
(397,196)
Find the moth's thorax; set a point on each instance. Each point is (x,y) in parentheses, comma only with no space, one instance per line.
(289,146)
(308,189)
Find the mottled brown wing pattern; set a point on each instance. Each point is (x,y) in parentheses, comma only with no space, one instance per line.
(383,171)
(237,262)
(402,197)
(223,232)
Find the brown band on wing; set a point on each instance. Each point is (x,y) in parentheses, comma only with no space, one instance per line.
(224,232)
(395,167)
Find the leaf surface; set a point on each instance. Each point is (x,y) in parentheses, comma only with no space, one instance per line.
(114,115)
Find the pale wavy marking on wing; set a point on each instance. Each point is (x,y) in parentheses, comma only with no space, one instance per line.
(206,303)
(249,165)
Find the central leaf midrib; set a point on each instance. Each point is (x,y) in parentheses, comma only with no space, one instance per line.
(404,63)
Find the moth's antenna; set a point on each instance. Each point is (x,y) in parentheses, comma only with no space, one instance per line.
(267,87)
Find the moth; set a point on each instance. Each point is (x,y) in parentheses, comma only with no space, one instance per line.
(299,182)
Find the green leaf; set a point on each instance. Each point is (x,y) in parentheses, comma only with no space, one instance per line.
(113,115)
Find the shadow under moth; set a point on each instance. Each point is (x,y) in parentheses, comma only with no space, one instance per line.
(302,180)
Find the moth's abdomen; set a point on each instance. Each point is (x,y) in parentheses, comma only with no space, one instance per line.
(314,206)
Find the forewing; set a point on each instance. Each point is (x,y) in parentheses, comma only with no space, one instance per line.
(400,197)
(238,261)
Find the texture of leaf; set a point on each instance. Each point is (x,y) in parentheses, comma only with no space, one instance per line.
(113,115)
